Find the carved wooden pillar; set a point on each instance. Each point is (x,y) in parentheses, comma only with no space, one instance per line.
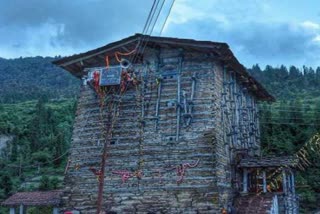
(12,210)
(55,210)
(21,209)
(292,183)
(264,177)
(284,181)
(245,180)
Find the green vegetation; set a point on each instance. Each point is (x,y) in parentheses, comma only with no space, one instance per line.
(288,123)
(37,106)
(36,156)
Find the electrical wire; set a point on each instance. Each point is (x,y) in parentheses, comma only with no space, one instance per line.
(148,19)
(36,165)
(283,117)
(148,38)
(284,110)
(288,108)
(146,28)
(165,21)
(145,36)
(280,123)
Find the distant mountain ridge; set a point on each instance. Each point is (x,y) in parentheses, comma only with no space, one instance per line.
(29,78)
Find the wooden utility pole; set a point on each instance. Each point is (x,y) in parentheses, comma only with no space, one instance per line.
(107,134)
(101,178)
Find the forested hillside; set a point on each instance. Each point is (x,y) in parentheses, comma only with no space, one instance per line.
(32,77)
(36,157)
(289,83)
(37,106)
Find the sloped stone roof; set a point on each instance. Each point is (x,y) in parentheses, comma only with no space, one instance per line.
(269,161)
(39,198)
(75,64)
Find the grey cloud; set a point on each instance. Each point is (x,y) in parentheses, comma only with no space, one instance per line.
(269,40)
(76,22)
(78,25)
(264,43)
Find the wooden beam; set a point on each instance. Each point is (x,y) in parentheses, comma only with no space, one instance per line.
(178,99)
(125,49)
(188,44)
(97,53)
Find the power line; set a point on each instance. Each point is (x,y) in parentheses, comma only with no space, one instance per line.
(147,40)
(157,16)
(290,110)
(285,110)
(305,124)
(148,19)
(146,33)
(165,21)
(309,120)
(288,105)
(36,165)
(145,28)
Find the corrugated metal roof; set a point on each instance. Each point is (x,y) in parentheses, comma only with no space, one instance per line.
(76,63)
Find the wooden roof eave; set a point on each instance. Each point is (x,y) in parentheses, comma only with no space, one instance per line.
(87,55)
(221,49)
(247,80)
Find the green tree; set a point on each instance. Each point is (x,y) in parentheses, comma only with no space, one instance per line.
(6,184)
(45,183)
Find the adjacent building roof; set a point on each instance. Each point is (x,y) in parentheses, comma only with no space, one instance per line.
(39,198)
(75,64)
(271,161)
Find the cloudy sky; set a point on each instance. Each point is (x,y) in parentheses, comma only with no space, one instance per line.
(258,31)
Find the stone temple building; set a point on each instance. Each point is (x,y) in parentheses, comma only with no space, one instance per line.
(168,125)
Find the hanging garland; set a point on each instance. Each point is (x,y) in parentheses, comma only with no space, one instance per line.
(125,175)
(181,170)
(97,173)
(77,166)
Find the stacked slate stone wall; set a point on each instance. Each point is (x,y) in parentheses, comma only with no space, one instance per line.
(237,129)
(161,126)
